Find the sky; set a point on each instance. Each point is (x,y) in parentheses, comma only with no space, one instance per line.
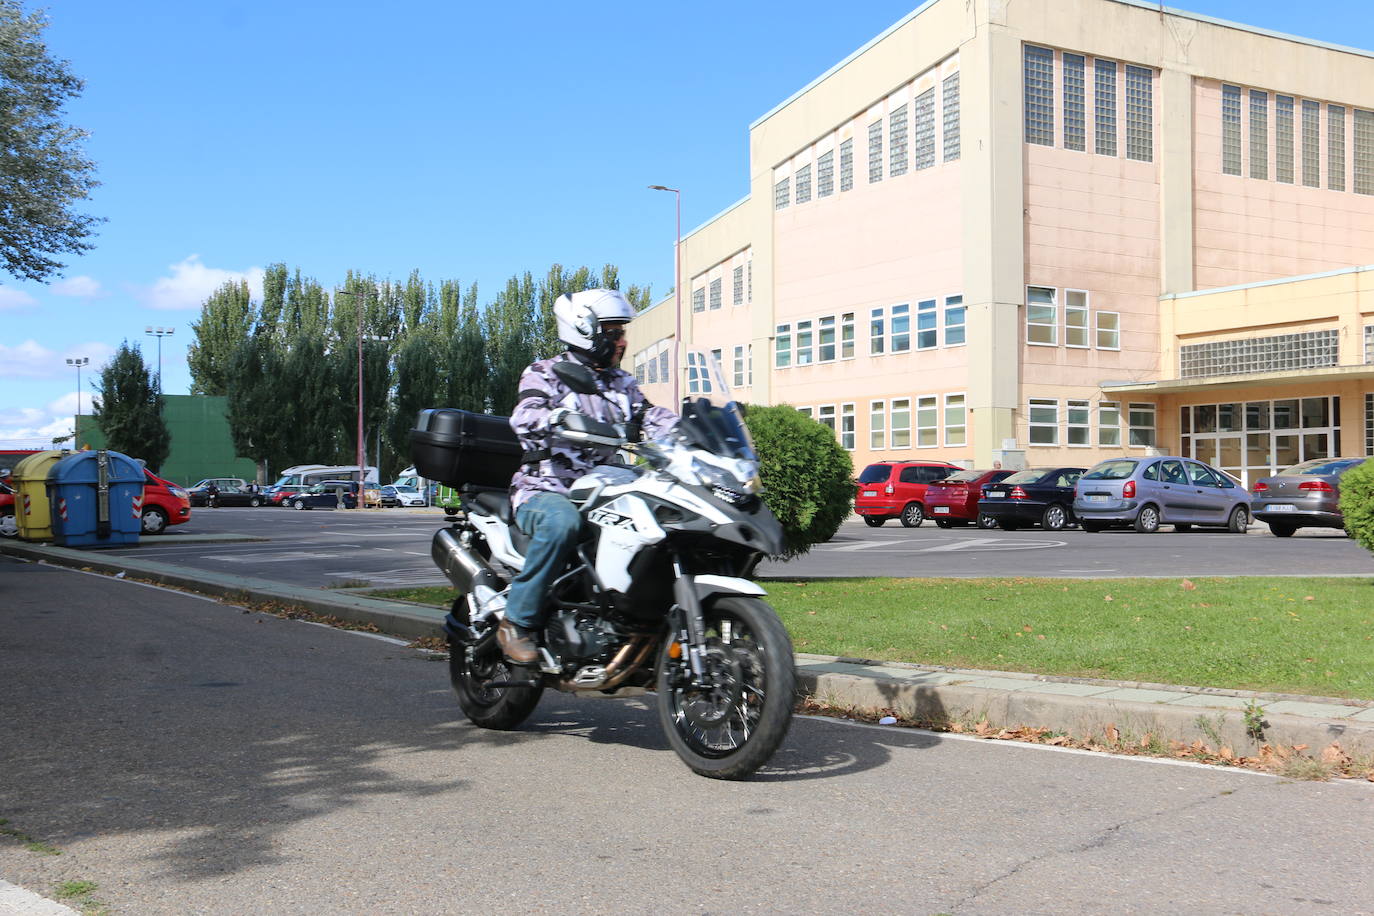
(470,141)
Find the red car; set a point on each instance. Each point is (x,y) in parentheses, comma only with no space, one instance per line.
(163,504)
(954,500)
(9,525)
(897,489)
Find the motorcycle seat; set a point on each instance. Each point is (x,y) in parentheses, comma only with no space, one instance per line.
(497,503)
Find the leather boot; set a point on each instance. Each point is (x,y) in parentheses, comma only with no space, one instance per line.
(517,643)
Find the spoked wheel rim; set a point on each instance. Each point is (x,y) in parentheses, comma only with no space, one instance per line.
(1055,518)
(717,721)
(913,515)
(1148,520)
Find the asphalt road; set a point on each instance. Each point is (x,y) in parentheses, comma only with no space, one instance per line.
(391,547)
(191,757)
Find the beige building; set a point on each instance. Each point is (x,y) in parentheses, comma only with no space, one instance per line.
(1053,231)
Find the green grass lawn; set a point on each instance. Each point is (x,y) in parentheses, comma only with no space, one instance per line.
(1310,636)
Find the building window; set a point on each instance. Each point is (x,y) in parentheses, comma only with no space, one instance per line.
(1364,152)
(1078,423)
(737,286)
(956,420)
(640,369)
(896,142)
(1311,144)
(1109,424)
(1044,421)
(847,335)
(715,294)
(749,365)
(802,194)
(950,111)
(1280,352)
(927,324)
(782,347)
(1039,70)
(1075,123)
(1108,331)
(925,129)
(663,375)
(825,415)
(847,165)
(749,281)
(737,379)
(781,194)
(698,373)
(825,342)
(1369,344)
(1042,316)
(1104,106)
(1283,138)
(927,422)
(1335,147)
(1142,421)
(847,437)
(1230,130)
(804,343)
(875,152)
(900,435)
(877,437)
(699,299)
(901,328)
(1259,134)
(955,317)
(877,335)
(805,412)
(1075,318)
(1140,114)
(825,174)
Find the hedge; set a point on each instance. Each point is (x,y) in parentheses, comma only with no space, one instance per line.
(807,477)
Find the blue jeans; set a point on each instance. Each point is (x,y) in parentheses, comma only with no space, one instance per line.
(553,524)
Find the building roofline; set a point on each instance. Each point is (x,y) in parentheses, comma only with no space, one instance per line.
(739,203)
(1262,283)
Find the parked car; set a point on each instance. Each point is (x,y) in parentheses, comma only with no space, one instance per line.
(9,525)
(164,503)
(1149,492)
(1307,495)
(954,500)
(226,496)
(319,496)
(198,491)
(280,494)
(401,495)
(1039,496)
(897,489)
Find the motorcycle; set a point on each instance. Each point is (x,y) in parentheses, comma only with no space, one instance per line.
(657,595)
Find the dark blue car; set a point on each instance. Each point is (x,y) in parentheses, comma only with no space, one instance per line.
(1039,496)
(320,496)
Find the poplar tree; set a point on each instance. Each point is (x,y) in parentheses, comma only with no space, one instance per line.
(226,318)
(129,409)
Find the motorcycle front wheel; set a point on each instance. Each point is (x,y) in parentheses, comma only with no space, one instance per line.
(473,678)
(729,727)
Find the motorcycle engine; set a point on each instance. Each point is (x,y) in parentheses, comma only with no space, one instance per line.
(573,636)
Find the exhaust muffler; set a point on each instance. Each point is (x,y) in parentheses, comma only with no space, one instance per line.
(463,566)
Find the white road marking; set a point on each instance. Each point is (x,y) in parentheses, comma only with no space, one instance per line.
(993,544)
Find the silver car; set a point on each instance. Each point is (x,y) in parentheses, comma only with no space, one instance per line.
(1148,492)
(1307,495)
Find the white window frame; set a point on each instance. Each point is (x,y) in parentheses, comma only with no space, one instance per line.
(899,341)
(848,427)
(1098,330)
(1083,426)
(782,346)
(877,432)
(749,366)
(824,325)
(1131,426)
(804,343)
(961,438)
(1052,324)
(806,412)
(1084,326)
(955,303)
(825,415)
(737,358)
(927,409)
(848,339)
(899,423)
(927,310)
(1032,424)
(1108,433)
(877,332)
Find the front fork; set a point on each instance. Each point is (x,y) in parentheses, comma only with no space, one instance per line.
(689,622)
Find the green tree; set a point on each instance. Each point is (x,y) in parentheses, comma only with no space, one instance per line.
(226,318)
(807,477)
(1357,503)
(510,333)
(419,383)
(255,401)
(467,383)
(43,169)
(129,410)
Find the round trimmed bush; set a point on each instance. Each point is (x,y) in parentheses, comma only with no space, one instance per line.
(1357,503)
(807,477)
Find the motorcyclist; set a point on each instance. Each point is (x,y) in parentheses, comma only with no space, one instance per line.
(592,325)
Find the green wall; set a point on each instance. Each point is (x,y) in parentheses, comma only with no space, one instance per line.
(201,444)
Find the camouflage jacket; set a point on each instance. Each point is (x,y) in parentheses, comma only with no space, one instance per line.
(553,463)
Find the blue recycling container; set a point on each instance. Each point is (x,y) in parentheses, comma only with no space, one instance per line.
(96,499)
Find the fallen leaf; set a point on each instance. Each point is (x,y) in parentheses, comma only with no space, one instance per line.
(1187,585)
(1226,753)
(1111,732)
(1106,597)
(1027,628)
(1309,598)
(1333,754)
(1039,635)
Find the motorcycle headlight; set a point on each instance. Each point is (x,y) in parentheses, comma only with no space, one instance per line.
(724,485)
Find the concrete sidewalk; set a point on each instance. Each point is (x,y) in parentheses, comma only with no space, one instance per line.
(1076,706)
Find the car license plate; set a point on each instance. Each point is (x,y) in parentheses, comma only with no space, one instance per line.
(996,495)
(870,492)
(1097,497)
(1281,507)
(942,510)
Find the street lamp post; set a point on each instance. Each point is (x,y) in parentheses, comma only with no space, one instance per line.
(677,292)
(78,362)
(159,333)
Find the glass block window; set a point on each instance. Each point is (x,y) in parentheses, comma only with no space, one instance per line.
(802,193)
(1311,144)
(896,142)
(847,165)
(956,316)
(925,129)
(1364,152)
(1039,90)
(1283,138)
(804,343)
(737,286)
(782,347)
(875,152)
(899,435)
(1306,350)
(847,436)
(1075,125)
(1109,423)
(927,421)
(1335,147)
(639,371)
(847,335)
(1142,422)
(1075,318)
(663,366)
(825,174)
(1042,316)
(950,112)
(877,424)
(877,334)
(749,282)
(1369,424)
(956,420)
(901,328)
(1078,423)
(1259,134)
(715,294)
(699,299)
(927,324)
(1104,106)
(782,194)
(1108,331)
(1140,114)
(825,340)
(1230,130)
(1043,421)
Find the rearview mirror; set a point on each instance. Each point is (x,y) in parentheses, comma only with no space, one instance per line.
(576,376)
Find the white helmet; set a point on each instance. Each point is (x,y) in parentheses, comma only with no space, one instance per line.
(579,315)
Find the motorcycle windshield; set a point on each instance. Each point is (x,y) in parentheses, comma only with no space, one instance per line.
(711,418)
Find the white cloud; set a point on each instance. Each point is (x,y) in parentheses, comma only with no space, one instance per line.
(33,427)
(11,298)
(32,360)
(79,287)
(191,283)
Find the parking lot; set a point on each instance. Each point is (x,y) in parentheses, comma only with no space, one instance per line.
(390,547)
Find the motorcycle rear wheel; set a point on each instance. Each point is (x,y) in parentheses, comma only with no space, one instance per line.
(498,708)
(731,729)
